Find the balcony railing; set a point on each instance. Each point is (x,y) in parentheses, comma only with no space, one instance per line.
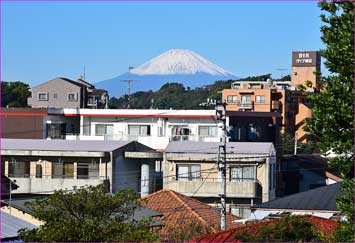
(194,138)
(210,188)
(246,104)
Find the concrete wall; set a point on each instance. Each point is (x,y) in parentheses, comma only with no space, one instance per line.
(57,90)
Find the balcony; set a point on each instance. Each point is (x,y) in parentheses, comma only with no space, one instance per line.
(194,138)
(246,104)
(211,188)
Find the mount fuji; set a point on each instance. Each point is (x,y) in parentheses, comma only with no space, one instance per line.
(176,65)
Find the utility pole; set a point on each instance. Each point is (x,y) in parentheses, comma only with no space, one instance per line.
(129,81)
(222,162)
(220,107)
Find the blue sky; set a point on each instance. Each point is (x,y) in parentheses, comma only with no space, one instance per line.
(43,40)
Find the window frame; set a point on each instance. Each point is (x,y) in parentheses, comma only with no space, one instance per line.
(106,125)
(232,178)
(232,100)
(140,133)
(42,93)
(260,101)
(209,131)
(190,174)
(75,97)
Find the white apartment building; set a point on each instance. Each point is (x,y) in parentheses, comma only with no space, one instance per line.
(153,128)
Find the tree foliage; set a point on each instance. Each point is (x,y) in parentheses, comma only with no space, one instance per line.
(87,214)
(287,229)
(333,106)
(14,94)
(187,230)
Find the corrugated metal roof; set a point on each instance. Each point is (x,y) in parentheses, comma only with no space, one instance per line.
(11,224)
(212,147)
(61,145)
(320,199)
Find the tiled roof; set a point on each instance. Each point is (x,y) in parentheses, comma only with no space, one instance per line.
(326,226)
(178,208)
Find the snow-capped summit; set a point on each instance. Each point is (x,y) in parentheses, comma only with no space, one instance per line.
(179,61)
(176,65)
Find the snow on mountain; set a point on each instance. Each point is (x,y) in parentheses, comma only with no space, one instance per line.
(179,61)
(176,65)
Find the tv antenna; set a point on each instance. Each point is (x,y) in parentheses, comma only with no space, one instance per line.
(129,81)
(282,71)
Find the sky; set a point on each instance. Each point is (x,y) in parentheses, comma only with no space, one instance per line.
(44,40)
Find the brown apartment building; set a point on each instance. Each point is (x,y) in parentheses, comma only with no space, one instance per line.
(282,97)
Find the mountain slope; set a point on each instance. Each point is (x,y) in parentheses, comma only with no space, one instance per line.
(177,65)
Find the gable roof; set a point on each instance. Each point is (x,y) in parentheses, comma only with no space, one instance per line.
(326,226)
(318,199)
(178,208)
(11,224)
(212,147)
(63,79)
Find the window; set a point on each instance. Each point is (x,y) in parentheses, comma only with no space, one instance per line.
(242,172)
(55,95)
(232,99)
(103,129)
(246,100)
(188,172)
(208,131)
(87,170)
(38,171)
(235,134)
(62,170)
(72,97)
(19,169)
(140,130)
(42,96)
(241,211)
(260,99)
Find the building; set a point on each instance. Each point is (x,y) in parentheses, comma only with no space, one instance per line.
(190,168)
(303,172)
(320,202)
(283,97)
(66,93)
(42,166)
(179,210)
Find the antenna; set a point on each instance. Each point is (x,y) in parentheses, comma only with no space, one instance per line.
(84,73)
(282,70)
(129,81)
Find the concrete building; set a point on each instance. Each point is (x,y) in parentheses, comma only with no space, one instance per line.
(280,96)
(65,93)
(190,168)
(42,166)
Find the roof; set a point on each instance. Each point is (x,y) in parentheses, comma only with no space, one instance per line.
(6,180)
(212,147)
(11,224)
(178,209)
(326,226)
(61,145)
(318,199)
(61,78)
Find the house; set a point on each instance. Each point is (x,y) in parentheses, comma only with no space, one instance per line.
(190,168)
(42,166)
(319,202)
(10,226)
(325,226)
(303,172)
(179,210)
(66,93)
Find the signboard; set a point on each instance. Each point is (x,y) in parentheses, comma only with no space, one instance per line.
(305,58)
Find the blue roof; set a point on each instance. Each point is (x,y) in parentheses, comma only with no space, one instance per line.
(11,224)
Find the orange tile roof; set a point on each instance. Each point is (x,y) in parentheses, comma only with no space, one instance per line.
(326,226)
(178,208)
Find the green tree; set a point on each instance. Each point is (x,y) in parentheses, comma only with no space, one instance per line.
(87,214)
(14,94)
(333,106)
(288,228)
